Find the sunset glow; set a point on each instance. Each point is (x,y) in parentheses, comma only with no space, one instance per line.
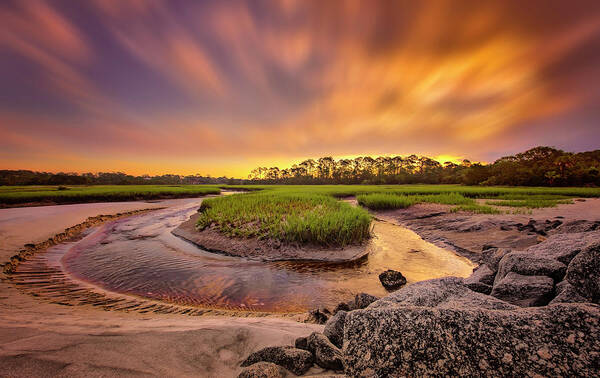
(220,87)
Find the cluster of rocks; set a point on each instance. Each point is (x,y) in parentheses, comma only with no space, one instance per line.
(539,228)
(526,313)
(559,270)
(321,349)
(390,279)
(441,327)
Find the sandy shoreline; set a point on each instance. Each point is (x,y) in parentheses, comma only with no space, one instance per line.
(45,339)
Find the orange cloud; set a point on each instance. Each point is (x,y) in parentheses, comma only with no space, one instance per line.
(153,83)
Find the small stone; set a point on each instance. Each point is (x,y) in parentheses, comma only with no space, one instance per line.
(296,360)
(334,328)
(327,355)
(263,370)
(392,279)
(363,300)
(301,343)
(343,306)
(317,316)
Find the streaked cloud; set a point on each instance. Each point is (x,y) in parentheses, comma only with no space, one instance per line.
(217,86)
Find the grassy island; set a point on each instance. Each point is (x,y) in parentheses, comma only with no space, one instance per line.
(292,217)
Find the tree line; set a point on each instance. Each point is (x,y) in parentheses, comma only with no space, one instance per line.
(539,166)
(25,177)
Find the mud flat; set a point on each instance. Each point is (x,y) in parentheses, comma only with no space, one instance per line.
(264,250)
(469,234)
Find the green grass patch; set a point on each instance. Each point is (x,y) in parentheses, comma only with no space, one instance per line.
(531,203)
(445,194)
(478,209)
(11,195)
(384,201)
(288,217)
(501,192)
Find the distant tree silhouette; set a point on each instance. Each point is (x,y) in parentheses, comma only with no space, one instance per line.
(539,166)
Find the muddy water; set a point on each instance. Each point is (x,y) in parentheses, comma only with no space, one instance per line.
(140,256)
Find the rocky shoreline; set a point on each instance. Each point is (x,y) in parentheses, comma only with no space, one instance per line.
(529,310)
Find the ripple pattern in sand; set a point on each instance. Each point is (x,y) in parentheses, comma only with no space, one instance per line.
(139,256)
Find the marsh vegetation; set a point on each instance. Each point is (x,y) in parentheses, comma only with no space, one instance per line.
(14,195)
(291,217)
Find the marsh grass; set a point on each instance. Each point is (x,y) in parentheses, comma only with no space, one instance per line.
(10,195)
(476,208)
(303,218)
(383,201)
(483,192)
(530,203)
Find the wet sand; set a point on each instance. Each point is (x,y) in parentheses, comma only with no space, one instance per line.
(38,338)
(468,234)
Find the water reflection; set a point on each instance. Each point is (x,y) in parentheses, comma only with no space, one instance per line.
(140,256)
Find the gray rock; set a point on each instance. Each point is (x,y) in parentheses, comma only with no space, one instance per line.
(263,370)
(584,272)
(318,316)
(491,257)
(525,291)
(479,287)
(296,360)
(401,340)
(301,343)
(392,280)
(441,292)
(566,293)
(482,274)
(563,247)
(528,264)
(481,280)
(579,226)
(334,328)
(327,355)
(362,300)
(344,306)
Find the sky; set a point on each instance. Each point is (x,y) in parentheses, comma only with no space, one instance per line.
(220,87)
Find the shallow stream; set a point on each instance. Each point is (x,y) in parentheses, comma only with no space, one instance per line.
(139,255)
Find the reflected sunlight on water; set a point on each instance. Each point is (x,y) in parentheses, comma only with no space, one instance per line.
(140,256)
